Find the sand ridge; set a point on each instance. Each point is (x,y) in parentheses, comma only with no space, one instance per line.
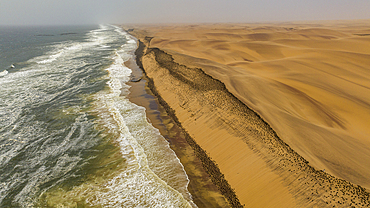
(309,81)
(289,88)
(204,192)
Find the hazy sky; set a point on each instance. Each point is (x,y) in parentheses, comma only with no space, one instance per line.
(56,12)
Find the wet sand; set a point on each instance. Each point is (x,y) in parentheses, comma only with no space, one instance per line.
(204,192)
(282,109)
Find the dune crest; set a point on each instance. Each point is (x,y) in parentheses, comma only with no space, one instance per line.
(309,82)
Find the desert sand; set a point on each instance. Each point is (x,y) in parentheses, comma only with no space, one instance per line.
(282,109)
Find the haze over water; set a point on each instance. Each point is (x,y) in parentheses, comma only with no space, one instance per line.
(66,12)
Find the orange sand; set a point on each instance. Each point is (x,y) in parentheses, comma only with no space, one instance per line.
(309,81)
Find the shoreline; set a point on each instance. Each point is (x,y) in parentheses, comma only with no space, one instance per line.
(208,164)
(204,192)
(299,197)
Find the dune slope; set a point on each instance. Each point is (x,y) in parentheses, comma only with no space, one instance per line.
(309,82)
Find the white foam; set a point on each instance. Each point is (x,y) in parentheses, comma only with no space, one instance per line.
(142,183)
(26,87)
(3,73)
(139,185)
(76,46)
(51,58)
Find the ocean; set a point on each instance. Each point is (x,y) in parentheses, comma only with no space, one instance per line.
(69,135)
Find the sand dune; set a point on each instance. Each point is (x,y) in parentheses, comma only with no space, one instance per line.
(310,84)
(309,81)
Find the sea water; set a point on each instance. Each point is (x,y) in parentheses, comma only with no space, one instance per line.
(69,136)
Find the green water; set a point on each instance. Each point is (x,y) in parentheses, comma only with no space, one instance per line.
(69,136)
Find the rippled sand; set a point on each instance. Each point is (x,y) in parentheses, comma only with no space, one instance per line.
(309,81)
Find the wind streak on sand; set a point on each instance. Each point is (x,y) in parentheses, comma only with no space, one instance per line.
(253,158)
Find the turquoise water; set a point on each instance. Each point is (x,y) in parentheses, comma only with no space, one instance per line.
(69,136)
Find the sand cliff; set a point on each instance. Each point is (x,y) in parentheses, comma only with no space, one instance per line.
(307,82)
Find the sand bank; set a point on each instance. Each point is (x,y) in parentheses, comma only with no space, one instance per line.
(204,192)
(309,82)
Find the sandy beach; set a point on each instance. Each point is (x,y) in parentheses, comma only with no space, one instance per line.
(204,192)
(280,113)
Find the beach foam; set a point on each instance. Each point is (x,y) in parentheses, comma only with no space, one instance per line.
(3,73)
(153,174)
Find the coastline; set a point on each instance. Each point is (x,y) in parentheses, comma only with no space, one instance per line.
(208,164)
(204,192)
(298,184)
